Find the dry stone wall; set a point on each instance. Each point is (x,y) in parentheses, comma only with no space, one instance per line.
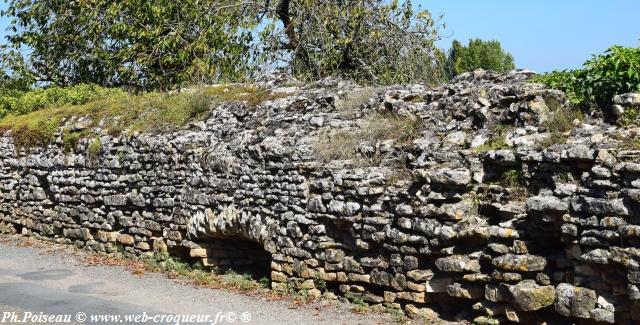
(489,213)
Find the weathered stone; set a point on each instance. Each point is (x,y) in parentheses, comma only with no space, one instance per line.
(579,152)
(602,315)
(439,285)
(628,100)
(520,263)
(446,176)
(574,301)
(81,233)
(600,206)
(460,264)
(420,275)
(106,236)
(431,216)
(596,256)
(604,311)
(144,246)
(351,265)
(115,200)
(418,297)
(315,205)
(159,245)
(465,292)
(404,210)
(502,157)
(424,313)
(334,255)
(381,278)
(278,277)
(125,239)
(529,296)
(546,204)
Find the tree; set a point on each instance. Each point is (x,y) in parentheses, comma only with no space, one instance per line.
(166,43)
(479,54)
(368,40)
(137,43)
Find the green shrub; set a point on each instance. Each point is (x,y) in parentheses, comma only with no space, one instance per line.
(515,181)
(566,80)
(265,282)
(321,284)
(70,139)
(22,102)
(616,71)
(95,147)
(35,133)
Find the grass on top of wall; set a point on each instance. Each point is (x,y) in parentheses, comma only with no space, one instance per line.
(122,112)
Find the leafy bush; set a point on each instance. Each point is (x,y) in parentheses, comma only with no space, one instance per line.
(566,80)
(616,71)
(22,102)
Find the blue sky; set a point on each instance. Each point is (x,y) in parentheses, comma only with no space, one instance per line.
(542,35)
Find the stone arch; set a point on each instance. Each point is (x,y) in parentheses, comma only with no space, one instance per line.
(230,239)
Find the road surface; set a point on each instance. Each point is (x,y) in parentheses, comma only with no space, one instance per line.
(35,284)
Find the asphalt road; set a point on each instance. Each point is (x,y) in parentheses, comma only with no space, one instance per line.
(39,284)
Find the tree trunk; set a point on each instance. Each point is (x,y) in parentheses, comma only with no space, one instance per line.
(294,44)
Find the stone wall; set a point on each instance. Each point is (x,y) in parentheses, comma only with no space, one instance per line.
(490,213)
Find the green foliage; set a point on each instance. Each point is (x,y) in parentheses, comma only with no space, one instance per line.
(119,250)
(165,44)
(95,147)
(119,112)
(629,116)
(70,139)
(396,313)
(33,133)
(371,41)
(22,102)
(616,71)
(514,180)
(564,177)
(358,303)
(265,282)
(301,296)
(136,43)
(321,284)
(162,262)
(567,81)
(478,54)
(241,282)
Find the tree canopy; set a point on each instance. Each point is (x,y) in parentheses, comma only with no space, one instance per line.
(154,44)
(142,43)
(478,54)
